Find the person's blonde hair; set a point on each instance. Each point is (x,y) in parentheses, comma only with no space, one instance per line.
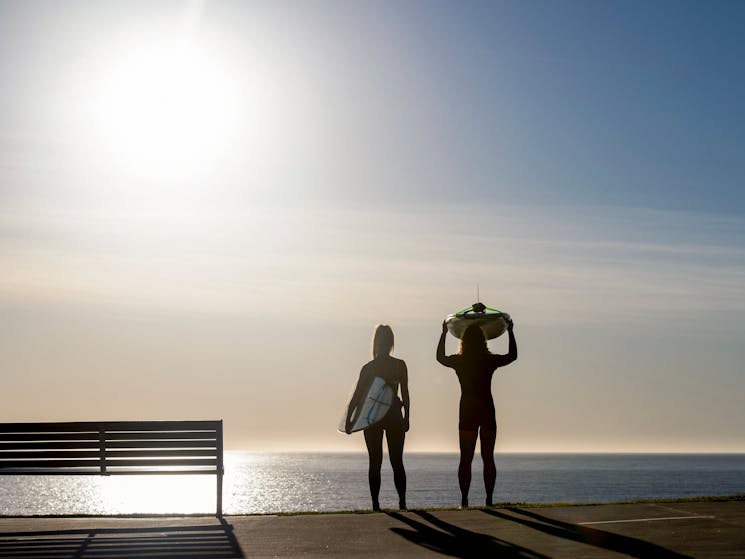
(382,340)
(473,341)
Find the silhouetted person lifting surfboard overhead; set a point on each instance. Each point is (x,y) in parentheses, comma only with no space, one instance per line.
(475,365)
(376,408)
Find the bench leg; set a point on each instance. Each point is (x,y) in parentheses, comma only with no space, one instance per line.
(219,495)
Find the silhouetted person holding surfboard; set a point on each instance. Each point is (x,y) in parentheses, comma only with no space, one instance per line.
(376,408)
(475,365)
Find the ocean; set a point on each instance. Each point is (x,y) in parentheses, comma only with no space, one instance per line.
(263,483)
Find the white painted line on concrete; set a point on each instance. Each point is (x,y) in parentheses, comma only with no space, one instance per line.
(644,519)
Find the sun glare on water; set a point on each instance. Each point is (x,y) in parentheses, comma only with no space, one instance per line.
(167,111)
(157,494)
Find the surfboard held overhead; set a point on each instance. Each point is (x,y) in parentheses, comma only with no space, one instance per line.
(493,322)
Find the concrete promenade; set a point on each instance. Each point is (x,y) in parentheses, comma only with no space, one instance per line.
(681,529)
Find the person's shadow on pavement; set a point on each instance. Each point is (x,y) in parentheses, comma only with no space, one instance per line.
(448,539)
(584,534)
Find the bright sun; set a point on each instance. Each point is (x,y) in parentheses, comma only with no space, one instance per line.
(167,111)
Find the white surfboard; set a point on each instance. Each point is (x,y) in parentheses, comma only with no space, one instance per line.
(372,406)
(493,322)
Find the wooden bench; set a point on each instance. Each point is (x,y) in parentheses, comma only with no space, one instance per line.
(113,448)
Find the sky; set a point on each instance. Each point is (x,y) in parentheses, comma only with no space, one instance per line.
(207,206)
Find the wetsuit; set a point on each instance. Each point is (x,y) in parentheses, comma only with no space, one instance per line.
(394,372)
(476,403)
(475,372)
(476,417)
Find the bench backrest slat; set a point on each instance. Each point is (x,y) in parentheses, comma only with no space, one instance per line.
(110,435)
(111,455)
(94,426)
(161,435)
(82,463)
(125,444)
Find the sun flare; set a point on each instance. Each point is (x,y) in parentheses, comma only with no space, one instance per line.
(167,111)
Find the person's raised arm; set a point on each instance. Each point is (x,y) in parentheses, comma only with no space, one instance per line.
(405,395)
(511,354)
(441,357)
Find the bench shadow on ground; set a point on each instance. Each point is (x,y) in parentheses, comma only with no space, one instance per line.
(610,541)
(449,539)
(213,541)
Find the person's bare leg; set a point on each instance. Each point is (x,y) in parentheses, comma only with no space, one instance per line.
(488,438)
(467,448)
(374,442)
(395,438)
